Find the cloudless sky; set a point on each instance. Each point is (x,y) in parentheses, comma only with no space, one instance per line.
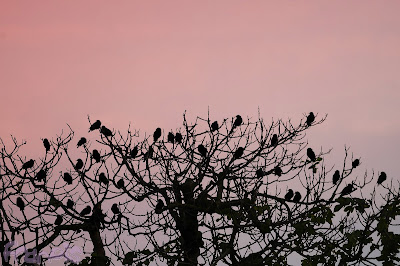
(146,62)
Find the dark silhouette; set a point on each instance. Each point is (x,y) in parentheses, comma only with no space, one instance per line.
(202,150)
(310,119)
(178,137)
(86,211)
(20,204)
(149,153)
(297,196)
(355,163)
(289,194)
(238,153)
(336,177)
(238,121)
(121,184)
(278,171)
(347,190)
(103,179)
(96,156)
(105,131)
(46,144)
(41,175)
(67,178)
(58,220)
(95,125)
(311,154)
(214,126)
(81,142)
(171,137)
(157,134)
(70,204)
(382,177)
(79,164)
(114,208)
(28,164)
(274,140)
(260,173)
(159,207)
(134,152)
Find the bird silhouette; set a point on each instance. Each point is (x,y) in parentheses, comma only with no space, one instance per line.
(355,163)
(20,204)
(134,152)
(347,190)
(381,178)
(310,119)
(289,194)
(157,134)
(214,126)
(103,179)
(95,125)
(46,145)
(260,173)
(81,142)
(79,164)
(238,153)
(121,184)
(311,154)
(105,131)
(59,220)
(202,150)
(278,171)
(238,121)
(96,156)
(67,178)
(41,175)
(70,204)
(178,137)
(274,140)
(297,196)
(149,153)
(114,208)
(171,137)
(159,207)
(336,177)
(86,211)
(28,164)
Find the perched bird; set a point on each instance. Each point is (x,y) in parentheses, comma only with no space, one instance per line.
(81,142)
(134,152)
(336,177)
(95,125)
(70,204)
(381,178)
(149,153)
(115,209)
(238,121)
(159,207)
(297,196)
(103,179)
(157,134)
(355,163)
(214,126)
(274,140)
(121,184)
(59,220)
(28,164)
(96,156)
(278,171)
(86,211)
(79,164)
(171,137)
(311,154)
(178,137)
(347,190)
(105,131)
(260,173)
(67,178)
(310,119)
(46,145)
(289,194)
(20,204)
(238,153)
(41,175)
(202,150)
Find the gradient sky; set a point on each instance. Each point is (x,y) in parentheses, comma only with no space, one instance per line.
(146,62)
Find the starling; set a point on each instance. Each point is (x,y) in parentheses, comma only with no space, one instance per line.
(81,142)
(86,211)
(159,207)
(311,154)
(202,150)
(103,179)
(68,178)
(28,164)
(214,126)
(274,140)
(41,175)
(59,220)
(96,156)
(171,137)
(381,178)
(157,134)
(238,153)
(20,204)
(95,125)
(336,177)
(297,196)
(355,163)
(105,131)
(178,137)
(149,153)
(46,145)
(70,204)
(310,119)
(289,194)
(79,164)
(134,152)
(238,121)
(347,190)
(114,208)
(260,173)
(278,171)
(121,184)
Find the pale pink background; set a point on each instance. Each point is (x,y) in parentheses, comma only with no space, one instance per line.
(145,62)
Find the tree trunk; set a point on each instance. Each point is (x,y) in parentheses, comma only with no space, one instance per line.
(191,237)
(99,255)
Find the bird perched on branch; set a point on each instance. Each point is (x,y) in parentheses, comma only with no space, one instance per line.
(46,144)
(157,134)
(28,164)
(178,137)
(347,190)
(171,137)
(79,164)
(105,131)
(336,177)
(238,121)
(274,140)
(297,196)
(214,126)
(355,163)
(95,125)
(310,119)
(382,177)
(289,194)
(238,153)
(41,175)
(86,211)
(134,152)
(114,208)
(159,207)
(96,156)
(202,150)
(103,179)
(67,178)
(259,173)
(81,142)
(20,204)
(311,154)
(70,204)
(121,184)
(59,220)
(277,171)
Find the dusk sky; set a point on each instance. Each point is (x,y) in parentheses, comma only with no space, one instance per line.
(146,62)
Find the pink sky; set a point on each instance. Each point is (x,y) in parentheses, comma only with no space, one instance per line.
(145,62)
